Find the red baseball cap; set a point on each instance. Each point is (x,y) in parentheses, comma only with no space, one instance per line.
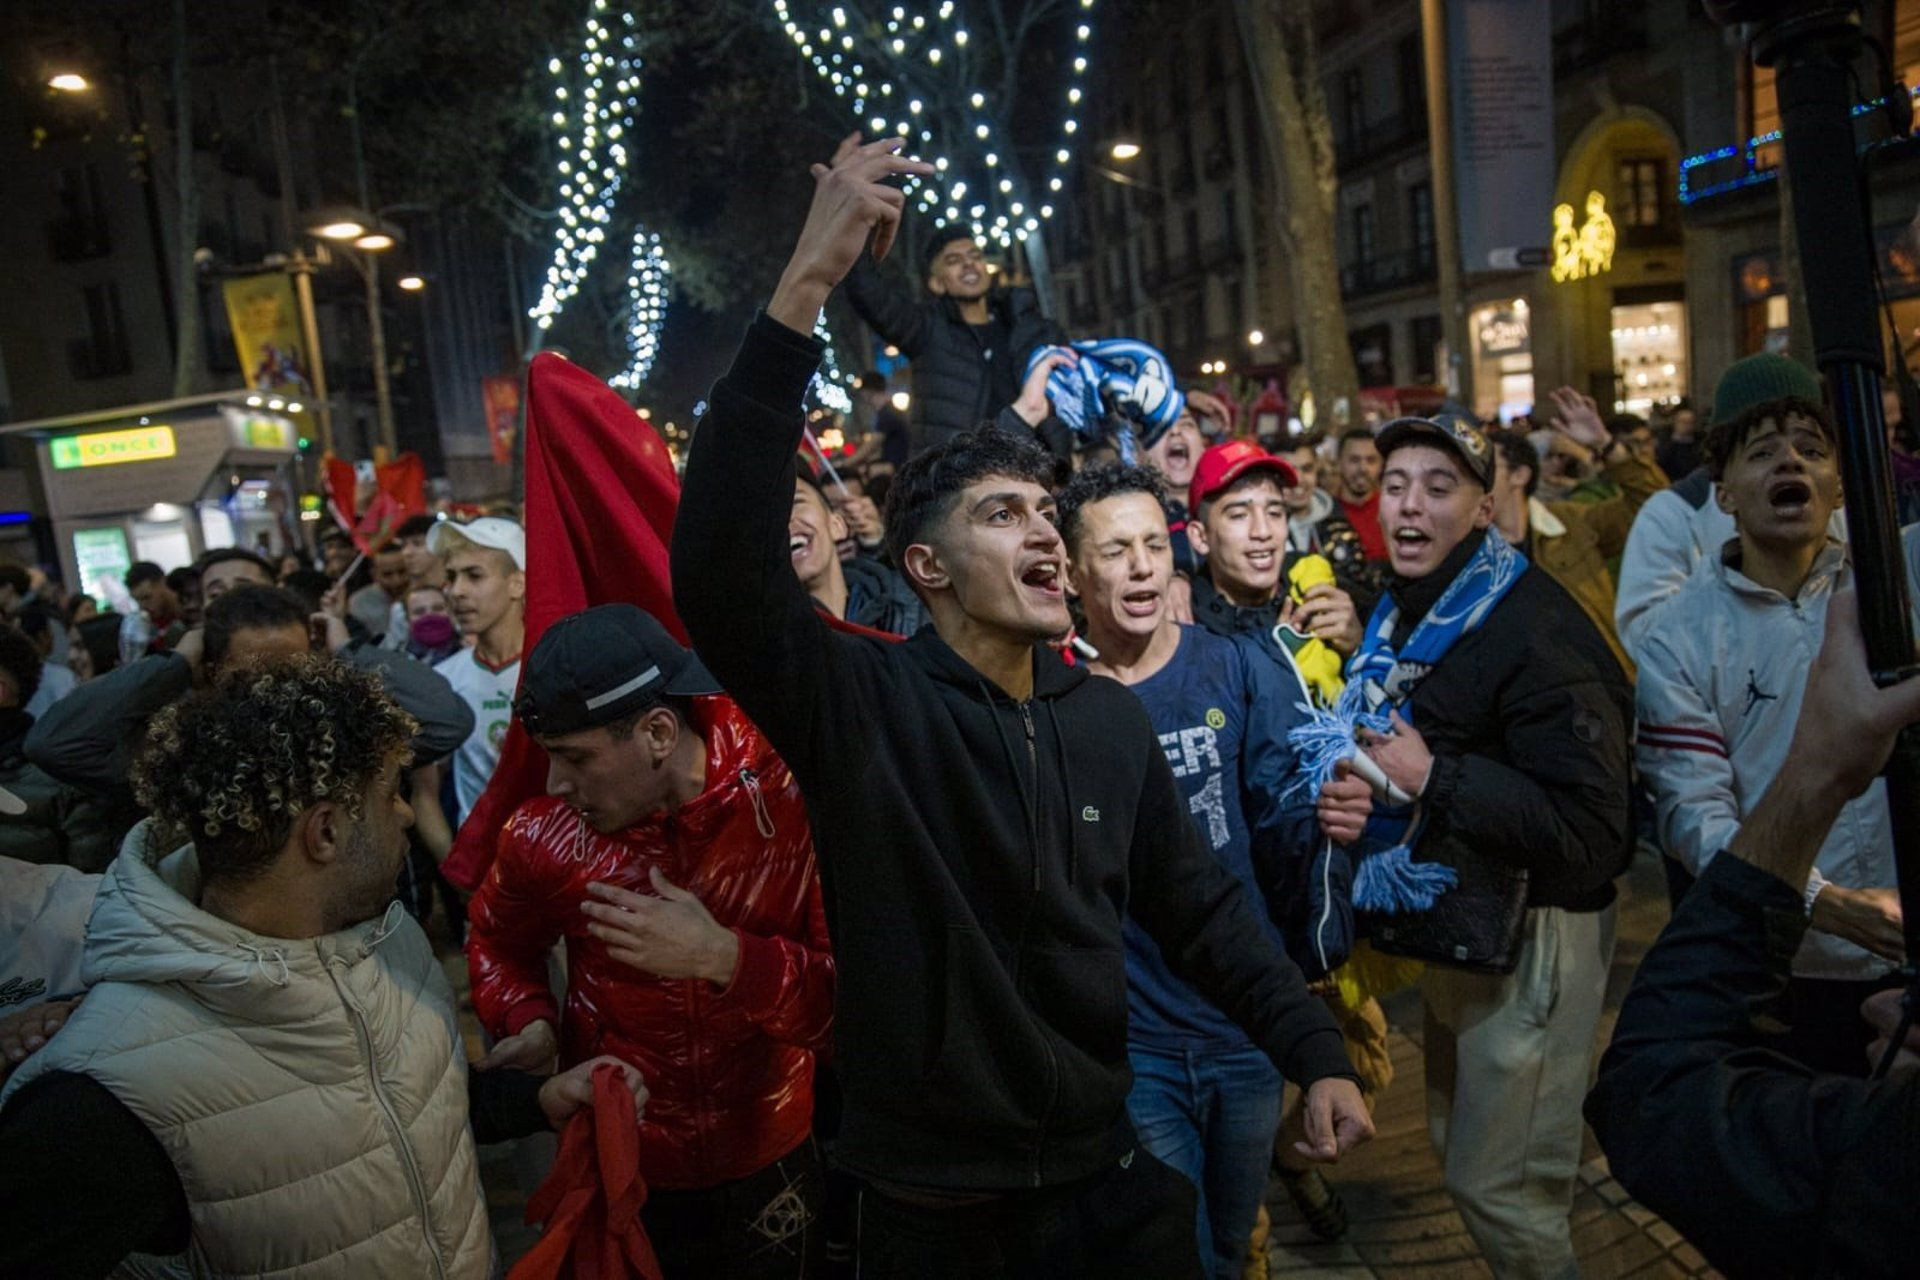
(1226,462)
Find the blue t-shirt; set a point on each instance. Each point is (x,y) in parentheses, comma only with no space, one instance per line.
(1222,709)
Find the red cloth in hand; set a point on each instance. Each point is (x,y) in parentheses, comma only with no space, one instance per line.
(601,496)
(591,1201)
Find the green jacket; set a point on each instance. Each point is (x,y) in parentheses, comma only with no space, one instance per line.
(1574,541)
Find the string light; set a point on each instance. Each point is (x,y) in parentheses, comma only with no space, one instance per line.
(648,278)
(909,51)
(829,386)
(595,96)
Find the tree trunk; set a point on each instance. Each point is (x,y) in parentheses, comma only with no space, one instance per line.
(186,229)
(1278,36)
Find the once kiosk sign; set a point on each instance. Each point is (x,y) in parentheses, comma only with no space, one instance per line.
(109,448)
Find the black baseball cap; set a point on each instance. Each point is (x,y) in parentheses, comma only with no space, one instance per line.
(1447,431)
(602,665)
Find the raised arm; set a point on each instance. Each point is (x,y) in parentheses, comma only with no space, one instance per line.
(87,739)
(885,306)
(733,580)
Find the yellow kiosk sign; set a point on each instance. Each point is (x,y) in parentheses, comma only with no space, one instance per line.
(107,448)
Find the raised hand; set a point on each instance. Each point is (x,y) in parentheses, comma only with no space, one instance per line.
(1580,418)
(1033,405)
(851,200)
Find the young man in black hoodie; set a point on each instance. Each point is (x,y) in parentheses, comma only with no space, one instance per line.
(986,816)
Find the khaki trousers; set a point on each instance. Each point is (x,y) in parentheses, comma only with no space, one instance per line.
(1508,1061)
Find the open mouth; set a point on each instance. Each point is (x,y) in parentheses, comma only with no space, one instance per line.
(1140,604)
(1044,576)
(1790,498)
(1412,541)
(797,545)
(1262,560)
(1179,453)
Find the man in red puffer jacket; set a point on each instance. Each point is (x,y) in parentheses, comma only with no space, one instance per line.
(672,854)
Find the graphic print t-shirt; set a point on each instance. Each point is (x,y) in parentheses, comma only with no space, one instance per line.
(490,694)
(1222,709)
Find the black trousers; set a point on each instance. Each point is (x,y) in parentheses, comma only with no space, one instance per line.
(1134,1220)
(765,1226)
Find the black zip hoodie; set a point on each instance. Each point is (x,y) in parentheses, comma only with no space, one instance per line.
(977,854)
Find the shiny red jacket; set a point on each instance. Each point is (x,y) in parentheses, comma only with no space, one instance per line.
(730,1071)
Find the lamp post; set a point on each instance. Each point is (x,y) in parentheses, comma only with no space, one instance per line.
(362,237)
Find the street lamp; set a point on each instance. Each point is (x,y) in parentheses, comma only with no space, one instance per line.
(369,236)
(1124,150)
(69,82)
(374,242)
(412,284)
(1255,338)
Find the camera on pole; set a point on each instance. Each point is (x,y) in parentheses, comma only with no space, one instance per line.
(1815,50)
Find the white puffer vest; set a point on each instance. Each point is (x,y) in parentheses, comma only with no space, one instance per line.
(312,1095)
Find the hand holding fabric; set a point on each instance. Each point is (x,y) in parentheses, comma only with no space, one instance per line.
(1402,755)
(566,1093)
(1345,803)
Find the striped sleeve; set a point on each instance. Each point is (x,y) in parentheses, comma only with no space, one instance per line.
(1682,755)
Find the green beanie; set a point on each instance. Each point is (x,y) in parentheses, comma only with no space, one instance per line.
(1759,379)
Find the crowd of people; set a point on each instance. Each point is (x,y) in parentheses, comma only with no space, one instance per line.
(994,862)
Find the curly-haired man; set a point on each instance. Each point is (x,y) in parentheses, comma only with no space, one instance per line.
(266,1074)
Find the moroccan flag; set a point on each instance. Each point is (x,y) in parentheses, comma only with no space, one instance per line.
(601,494)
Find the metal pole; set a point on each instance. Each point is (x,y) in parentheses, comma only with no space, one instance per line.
(301,268)
(1446,217)
(377,331)
(1815,55)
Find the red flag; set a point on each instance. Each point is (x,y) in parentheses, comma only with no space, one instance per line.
(405,481)
(601,495)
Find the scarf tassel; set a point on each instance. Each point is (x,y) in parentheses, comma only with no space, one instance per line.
(1392,883)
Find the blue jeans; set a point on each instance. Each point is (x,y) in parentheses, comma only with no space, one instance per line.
(1211,1117)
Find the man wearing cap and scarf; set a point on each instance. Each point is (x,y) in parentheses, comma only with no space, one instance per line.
(672,853)
(1505,717)
(968,342)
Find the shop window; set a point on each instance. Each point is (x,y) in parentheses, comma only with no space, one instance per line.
(1649,355)
(1763,112)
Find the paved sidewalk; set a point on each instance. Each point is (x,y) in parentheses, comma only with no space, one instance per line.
(1403,1223)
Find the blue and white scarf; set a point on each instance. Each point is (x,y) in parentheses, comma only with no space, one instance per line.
(1120,378)
(1381,681)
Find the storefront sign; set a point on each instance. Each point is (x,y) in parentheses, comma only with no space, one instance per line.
(1502,332)
(1588,252)
(1500,75)
(109,448)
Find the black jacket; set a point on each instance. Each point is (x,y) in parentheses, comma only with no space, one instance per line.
(977,855)
(1769,1169)
(961,377)
(1529,719)
(880,598)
